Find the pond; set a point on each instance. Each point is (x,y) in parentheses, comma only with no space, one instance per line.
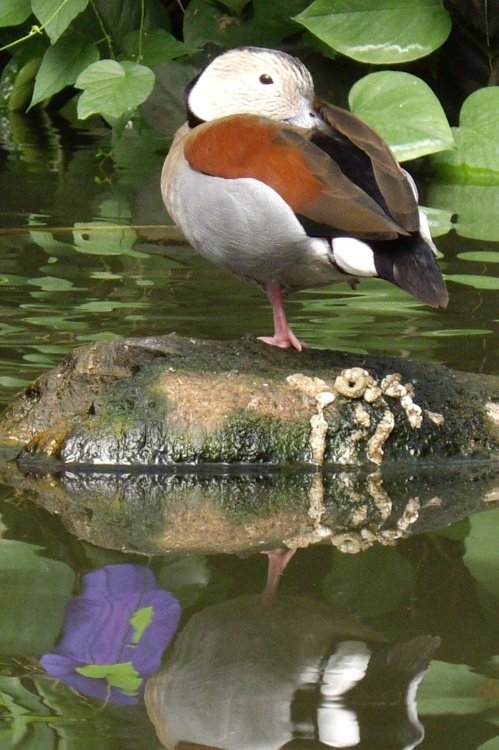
(87,254)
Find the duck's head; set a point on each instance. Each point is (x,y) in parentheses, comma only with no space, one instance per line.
(253,80)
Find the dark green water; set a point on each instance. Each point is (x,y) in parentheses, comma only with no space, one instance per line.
(84,256)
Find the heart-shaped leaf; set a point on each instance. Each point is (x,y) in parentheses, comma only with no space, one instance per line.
(476,159)
(379,31)
(208,22)
(404,110)
(61,66)
(476,208)
(157,47)
(55,16)
(14,12)
(113,89)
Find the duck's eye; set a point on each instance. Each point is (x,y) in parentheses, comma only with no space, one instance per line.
(265,78)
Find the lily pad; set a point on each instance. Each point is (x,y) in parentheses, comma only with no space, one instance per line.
(482,551)
(104,238)
(439,220)
(404,110)
(455,689)
(379,32)
(476,159)
(46,586)
(113,89)
(479,256)
(475,207)
(453,332)
(51,284)
(477,282)
(378,580)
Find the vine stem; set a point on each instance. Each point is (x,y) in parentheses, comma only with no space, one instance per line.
(36,29)
(141,29)
(108,39)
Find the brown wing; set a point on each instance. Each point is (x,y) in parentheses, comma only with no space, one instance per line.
(304,175)
(390,178)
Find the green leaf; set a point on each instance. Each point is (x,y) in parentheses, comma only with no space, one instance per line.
(478,256)
(371,583)
(121,17)
(122,675)
(46,587)
(439,220)
(61,66)
(9,382)
(140,621)
(454,332)
(454,689)
(22,88)
(458,530)
(277,16)
(101,238)
(476,159)
(482,551)
(113,89)
(476,208)
(56,15)
(379,31)
(51,284)
(14,12)
(158,46)
(477,282)
(404,110)
(492,744)
(206,22)
(165,109)
(24,717)
(186,577)
(235,6)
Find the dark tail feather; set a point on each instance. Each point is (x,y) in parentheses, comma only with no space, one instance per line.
(411,264)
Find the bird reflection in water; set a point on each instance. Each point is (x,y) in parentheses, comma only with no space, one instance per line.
(274,671)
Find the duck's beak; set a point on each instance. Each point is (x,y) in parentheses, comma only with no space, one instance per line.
(306,116)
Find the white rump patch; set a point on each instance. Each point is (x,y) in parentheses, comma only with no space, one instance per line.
(354,257)
(338,726)
(411,182)
(424,230)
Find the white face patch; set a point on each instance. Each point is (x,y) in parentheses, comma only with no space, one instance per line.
(232,84)
(354,257)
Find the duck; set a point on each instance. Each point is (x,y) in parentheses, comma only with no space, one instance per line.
(289,192)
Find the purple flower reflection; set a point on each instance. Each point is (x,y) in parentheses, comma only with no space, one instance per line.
(114,633)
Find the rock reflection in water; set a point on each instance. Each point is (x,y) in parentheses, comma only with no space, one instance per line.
(236,509)
(244,676)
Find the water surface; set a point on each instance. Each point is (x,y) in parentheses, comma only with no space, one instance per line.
(85,255)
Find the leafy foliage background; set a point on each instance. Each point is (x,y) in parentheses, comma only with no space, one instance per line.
(424,73)
(114,50)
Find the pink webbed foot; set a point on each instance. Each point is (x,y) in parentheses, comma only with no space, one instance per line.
(289,341)
(283,335)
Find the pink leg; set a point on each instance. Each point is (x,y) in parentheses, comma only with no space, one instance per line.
(278,559)
(283,335)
